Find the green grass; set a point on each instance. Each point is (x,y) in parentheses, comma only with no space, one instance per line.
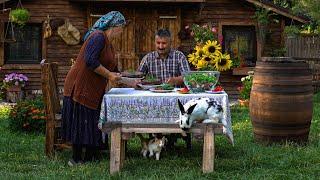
(22,156)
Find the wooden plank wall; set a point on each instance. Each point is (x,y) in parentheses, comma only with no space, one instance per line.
(213,11)
(56,50)
(303,46)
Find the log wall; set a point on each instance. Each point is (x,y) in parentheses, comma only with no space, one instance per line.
(138,37)
(54,49)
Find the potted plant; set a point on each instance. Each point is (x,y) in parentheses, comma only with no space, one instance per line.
(291,31)
(245,89)
(19,16)
(14,83)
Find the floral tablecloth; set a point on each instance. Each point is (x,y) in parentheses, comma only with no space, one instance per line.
(136,106)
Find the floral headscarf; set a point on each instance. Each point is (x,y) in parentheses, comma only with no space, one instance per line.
(111,19)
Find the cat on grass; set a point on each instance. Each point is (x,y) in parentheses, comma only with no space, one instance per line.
(153,145)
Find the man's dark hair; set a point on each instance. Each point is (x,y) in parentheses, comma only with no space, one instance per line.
(163,33)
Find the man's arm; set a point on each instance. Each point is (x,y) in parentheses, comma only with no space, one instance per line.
(143,67)
(183,68)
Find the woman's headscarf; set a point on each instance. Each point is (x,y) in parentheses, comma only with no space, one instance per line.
(111,19)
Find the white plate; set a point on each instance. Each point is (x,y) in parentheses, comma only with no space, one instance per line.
(147,87)
(215,92)
(160,90)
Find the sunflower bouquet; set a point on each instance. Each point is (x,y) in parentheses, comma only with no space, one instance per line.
(207,55)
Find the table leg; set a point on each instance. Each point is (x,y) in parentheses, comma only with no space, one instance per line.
(115,150)
(208,150)
(123,152)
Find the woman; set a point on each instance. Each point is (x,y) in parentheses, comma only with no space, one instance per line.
(85,85)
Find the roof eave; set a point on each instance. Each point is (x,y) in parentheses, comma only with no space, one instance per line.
(279,11)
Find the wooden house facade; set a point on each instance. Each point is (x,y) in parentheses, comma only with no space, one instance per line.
(232,18)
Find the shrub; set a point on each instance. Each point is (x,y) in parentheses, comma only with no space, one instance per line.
(28,116)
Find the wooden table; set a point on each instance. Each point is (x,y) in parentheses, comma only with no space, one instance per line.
(121,132)
(128,111)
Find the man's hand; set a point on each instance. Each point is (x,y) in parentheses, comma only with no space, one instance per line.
(172,81)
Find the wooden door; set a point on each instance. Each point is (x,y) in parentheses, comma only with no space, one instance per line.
(124,45)
(137,38)
(170,19)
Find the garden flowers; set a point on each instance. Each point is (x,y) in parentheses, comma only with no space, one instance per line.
(15,79)
(207,53)
(245,89)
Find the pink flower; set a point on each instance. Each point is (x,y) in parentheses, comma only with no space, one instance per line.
(192,34)
(220,38)
(214,30)
(186,27)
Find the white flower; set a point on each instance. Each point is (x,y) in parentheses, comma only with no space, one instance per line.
(243,79)
(16,83)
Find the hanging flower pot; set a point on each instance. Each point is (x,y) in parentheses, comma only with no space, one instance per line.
(19,16)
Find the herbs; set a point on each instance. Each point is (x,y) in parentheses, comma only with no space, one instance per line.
(150,78)
(200,81)
(200,78)
(166,86)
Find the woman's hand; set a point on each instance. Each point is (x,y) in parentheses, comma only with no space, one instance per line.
(114,77)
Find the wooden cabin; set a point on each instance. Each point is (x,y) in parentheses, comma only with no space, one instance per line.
(233,19)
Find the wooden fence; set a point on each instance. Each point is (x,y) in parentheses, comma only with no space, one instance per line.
(306,48)
(303,46)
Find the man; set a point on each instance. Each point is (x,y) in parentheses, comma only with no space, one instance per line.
(166,64)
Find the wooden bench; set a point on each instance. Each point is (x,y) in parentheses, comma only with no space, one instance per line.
(120,133)
(51,100)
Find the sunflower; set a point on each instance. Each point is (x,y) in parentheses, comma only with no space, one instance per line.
(199,51)
(210,59)
(193,58)
(224,63)
(212,48)
(202,64)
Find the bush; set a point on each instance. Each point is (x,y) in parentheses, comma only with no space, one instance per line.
(28,116)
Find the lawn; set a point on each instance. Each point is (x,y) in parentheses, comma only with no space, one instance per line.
(22,156)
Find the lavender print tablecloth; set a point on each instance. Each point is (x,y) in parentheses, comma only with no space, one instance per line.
(136,106)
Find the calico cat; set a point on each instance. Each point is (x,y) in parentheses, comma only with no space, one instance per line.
(153,146)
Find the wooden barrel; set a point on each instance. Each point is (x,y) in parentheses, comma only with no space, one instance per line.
(281,100)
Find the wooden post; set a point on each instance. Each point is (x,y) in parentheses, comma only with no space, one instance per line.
(123,152)
(49,142)
(208,149)
(115,150)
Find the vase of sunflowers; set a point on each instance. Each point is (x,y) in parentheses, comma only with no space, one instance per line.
(207,56)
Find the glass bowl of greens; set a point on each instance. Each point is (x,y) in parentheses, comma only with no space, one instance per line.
(201,81)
